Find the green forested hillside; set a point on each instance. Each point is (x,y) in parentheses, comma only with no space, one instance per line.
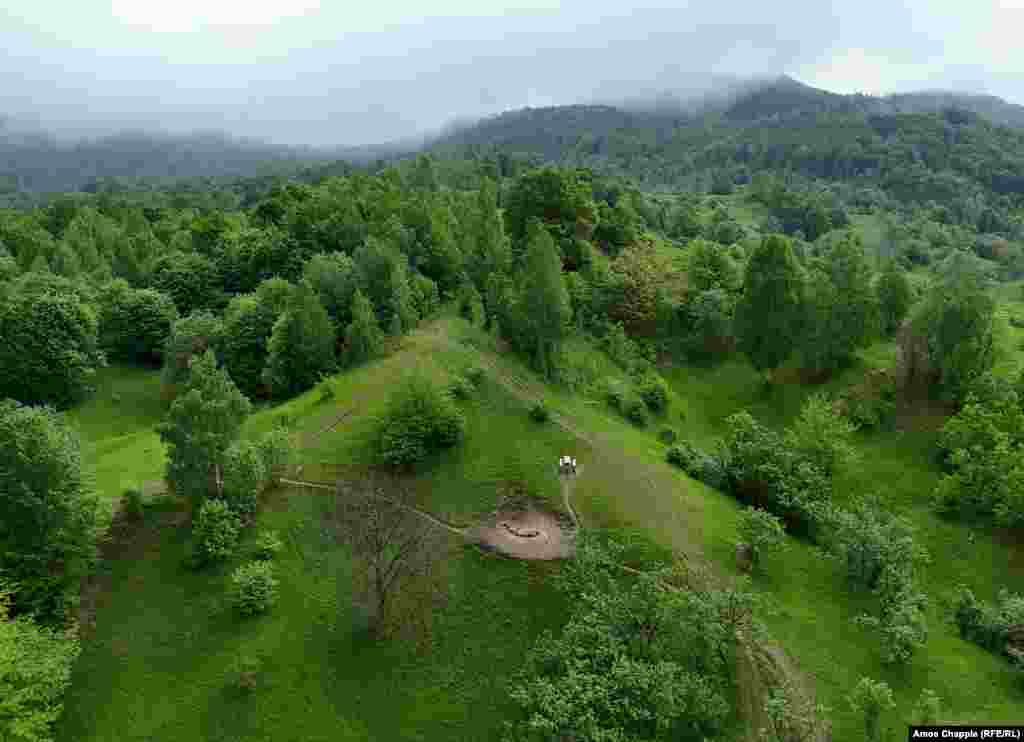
(917,147)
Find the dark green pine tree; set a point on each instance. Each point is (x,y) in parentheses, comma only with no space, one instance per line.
(768,316)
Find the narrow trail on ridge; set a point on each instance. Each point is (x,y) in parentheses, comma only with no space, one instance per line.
(408,508)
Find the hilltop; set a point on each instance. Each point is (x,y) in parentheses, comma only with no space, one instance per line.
(919,146)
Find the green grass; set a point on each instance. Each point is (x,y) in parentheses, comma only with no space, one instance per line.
(120,446)
(160,664)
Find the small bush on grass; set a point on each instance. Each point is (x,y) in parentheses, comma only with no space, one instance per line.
(793,718)
(989,625)
(131,504)
(615,393)
(870,699)
(268,545)
(821,436)
(762,533)
(327,391)
(871,404)
(636,412)
(36,662)
(245,476)
(216,532)
(698,464)
(276,450)
(460,388)
(475,374)
(653,391)
(244,675)
(421,419)
(253,588)
(928,708)
(539,412)
(667,436)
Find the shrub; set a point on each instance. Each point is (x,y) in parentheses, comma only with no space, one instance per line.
(903,629)
(327,391)
(216,532)
(667,436)
(876,544)
(653,391)
(475,374)
(460,388)
(620,347)
(253,588)
(245,673)
(268,545)
(821,436)
(762,532)
(870,699)
(276,450)
(636,412)
(679,455)
(981,446)
(870,412)
(872,404)
(989,625)
(928,708)
(698,464)
(793,718)
(421,419)
(244,477)
(37,661)
(539,412)
(615,393)
(131,504)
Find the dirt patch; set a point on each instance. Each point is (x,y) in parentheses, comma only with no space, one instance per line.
(524,534)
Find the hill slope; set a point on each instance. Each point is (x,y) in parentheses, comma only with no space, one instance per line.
(166,667)
(926,146)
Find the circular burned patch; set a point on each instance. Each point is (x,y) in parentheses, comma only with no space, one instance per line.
(526,534)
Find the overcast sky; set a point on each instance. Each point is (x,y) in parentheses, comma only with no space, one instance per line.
(306,72)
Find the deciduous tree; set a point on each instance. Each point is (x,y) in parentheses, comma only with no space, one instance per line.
(203,421)
(49,519)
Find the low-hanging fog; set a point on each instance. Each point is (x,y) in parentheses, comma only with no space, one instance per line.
(359,73)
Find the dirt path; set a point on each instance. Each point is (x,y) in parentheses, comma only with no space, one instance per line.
(523,534)
(313,438)
(421,513)
(567,485)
